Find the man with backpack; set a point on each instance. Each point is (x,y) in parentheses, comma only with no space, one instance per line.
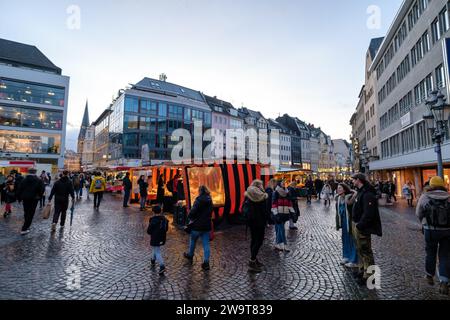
(433,209)
(98,186)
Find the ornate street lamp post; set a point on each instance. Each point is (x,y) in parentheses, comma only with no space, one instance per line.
(435,120)
(365,157)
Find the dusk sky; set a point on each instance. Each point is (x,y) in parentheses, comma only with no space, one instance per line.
(305,58)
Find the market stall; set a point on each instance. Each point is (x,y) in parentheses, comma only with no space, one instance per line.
(7,166)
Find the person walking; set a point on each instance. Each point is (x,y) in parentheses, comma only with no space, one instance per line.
(143,191)
(433,210)
(366,222)
(9,195)
(46,182)
(318,186)
(281,212)
(98,187)
(326,194)
(200,225)
(62,189)
(407,193)
(127,186)
(293,196)
(157,229)
(309,185)
(88,185)
(30,191)
(413,193)
(76,185)
(344,205)
(256,207)
(18,178)
(160,191)
(82,184)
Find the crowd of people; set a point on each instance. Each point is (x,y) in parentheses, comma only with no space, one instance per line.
(33,190)
(356,205)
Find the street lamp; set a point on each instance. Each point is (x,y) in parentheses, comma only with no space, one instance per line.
(434,118)
(365,157)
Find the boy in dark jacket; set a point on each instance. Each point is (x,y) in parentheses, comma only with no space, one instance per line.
(157,229)
(62,189)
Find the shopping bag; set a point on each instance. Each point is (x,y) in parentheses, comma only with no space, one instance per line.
(46,211)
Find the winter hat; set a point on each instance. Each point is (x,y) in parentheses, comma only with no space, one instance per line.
(437,182)
(157,209)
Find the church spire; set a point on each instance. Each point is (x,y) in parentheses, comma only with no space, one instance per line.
(84,125)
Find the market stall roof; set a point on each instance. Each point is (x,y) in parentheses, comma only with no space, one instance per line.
(288,170)
(18,163)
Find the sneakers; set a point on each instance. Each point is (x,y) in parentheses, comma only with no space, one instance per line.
(25,232)
(344,262)
(351,265)
(187,256)
(253,267)
(285,248)
(430,280)
(205,266)
(443,288)
(53,227)
(161,271)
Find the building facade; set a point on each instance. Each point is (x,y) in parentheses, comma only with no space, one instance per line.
(283,144)
(143,117)
(33,106)
(409,65)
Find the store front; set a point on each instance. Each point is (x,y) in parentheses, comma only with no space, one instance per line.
(7,166)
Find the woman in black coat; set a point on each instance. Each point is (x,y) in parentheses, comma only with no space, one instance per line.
(160,192)
(143,191)
(256,205)
(200,225)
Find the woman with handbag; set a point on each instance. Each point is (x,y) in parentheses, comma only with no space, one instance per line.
(281,212)
(200,225)
(10,195)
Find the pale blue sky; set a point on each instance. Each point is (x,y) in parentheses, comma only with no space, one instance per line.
(300,57)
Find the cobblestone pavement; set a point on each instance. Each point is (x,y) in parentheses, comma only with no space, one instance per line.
(111,249)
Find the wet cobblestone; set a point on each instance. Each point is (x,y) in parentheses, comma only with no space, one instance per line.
(111,249)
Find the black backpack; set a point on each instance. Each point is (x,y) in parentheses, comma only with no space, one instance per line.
(437,213)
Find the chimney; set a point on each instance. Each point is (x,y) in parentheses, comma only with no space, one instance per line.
(163,77)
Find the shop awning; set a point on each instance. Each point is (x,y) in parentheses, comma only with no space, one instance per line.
(17,163)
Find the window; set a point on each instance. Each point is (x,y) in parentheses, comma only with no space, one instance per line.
(435,31)
(12,116)
(32,143)
(162,111)
(131,122)
(443,21)
(207,119)
(175,112)
(147,123)
(131,104)
(130,139)
(149,107)
(32,93)
(440,77)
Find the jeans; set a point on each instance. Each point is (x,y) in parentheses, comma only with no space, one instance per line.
(42,202)
(126,197)
(29,209)
(348,242)
(143,200)
(156,255)
(437,243)
(60,210)
(280,232)
(204,235)
(98,196)
(257,234)
(81,192)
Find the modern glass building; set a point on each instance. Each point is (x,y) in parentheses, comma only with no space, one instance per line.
(33,106)
(146,115)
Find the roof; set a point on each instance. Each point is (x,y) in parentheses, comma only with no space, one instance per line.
(374,46)
(214,102)
(19,54)
(167,87)
(273,124)
(104,114)
(251,113)
(85,124)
